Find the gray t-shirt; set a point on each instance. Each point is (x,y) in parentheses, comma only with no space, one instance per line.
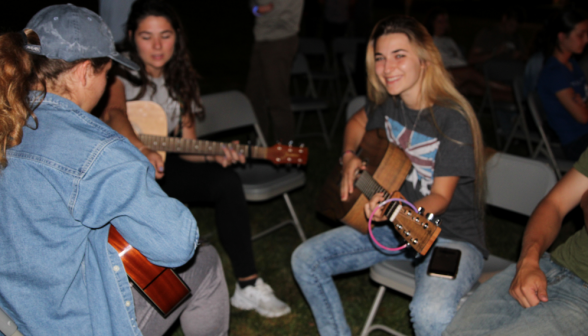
(433,152)
(161,96)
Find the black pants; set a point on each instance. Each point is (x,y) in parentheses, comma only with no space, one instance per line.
(209,182)
(268,87)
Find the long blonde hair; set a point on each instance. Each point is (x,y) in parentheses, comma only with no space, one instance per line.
(21,72)
(437,85)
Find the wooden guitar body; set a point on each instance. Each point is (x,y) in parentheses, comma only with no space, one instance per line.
(385,162)
(147,117)
(161,286)
(386,170)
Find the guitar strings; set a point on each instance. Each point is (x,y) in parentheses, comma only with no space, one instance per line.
(370,187)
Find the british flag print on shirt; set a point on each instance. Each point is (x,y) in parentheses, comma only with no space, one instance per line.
(420,150)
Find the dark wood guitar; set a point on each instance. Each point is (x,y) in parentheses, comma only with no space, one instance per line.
(161,286)
(386,170)
(150,123)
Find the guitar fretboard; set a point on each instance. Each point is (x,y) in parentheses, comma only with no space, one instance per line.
(369,187)
(201,147)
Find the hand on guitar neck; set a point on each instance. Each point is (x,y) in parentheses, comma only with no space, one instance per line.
(351,167)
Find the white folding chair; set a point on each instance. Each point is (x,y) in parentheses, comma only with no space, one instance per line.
(520,130)
(350,92)
(545,146)
(316,48)
(514,183)
(503,71)
(308,102)
(261,181)
(355,105)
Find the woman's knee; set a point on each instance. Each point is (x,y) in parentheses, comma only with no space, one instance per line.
(430,317)
(305,261)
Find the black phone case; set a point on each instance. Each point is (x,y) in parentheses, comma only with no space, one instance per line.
(444,263)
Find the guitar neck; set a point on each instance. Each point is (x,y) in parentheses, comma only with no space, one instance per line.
(200,147)
(417,230)
(369,187)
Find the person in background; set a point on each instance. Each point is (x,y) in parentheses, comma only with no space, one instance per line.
(501,41)
(156,42)
(68,179)
(424,115)
(115,13)
(268,85)
(562,83)
(467,79)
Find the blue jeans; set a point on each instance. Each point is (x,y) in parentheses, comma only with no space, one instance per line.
(344,250)
(492,311)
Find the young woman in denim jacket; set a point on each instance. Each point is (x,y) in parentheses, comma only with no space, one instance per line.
(67,178)
(423,113)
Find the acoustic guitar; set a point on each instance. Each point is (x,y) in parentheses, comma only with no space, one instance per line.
(160,286)
(386,170)
(150,123)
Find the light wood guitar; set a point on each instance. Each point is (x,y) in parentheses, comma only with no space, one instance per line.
(150,123)
(386,170)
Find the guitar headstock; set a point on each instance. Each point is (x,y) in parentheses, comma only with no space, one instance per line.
(418,230)
(287,154)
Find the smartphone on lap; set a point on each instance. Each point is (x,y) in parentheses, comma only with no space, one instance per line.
(444,263)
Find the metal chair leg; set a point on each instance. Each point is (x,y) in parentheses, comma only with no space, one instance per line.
(372,314)
(295,220)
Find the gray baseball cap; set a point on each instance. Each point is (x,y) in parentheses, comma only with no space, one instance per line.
(71,33)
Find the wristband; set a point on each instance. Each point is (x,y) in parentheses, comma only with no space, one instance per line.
(255,11)
(342,155)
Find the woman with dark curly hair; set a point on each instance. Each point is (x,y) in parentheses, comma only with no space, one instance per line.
(156,42)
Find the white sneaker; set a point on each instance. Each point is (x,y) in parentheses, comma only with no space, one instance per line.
(261,298)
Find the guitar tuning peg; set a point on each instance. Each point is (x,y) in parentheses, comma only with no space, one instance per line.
(290,143)
(437,221)
(301,145)
(430,217)
(421,210)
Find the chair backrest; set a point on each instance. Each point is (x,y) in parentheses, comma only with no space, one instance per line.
(226,111)
(517,86)
(314,47)
(532,71)
(354,105)
(517,183)
(300,67)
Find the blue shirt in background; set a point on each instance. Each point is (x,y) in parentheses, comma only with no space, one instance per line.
(62,187)
(553,78)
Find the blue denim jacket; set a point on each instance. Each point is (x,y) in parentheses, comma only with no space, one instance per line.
(62,187)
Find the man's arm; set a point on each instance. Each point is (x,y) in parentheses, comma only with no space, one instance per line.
(529,286)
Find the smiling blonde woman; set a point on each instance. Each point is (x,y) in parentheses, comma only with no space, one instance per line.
(413,99)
